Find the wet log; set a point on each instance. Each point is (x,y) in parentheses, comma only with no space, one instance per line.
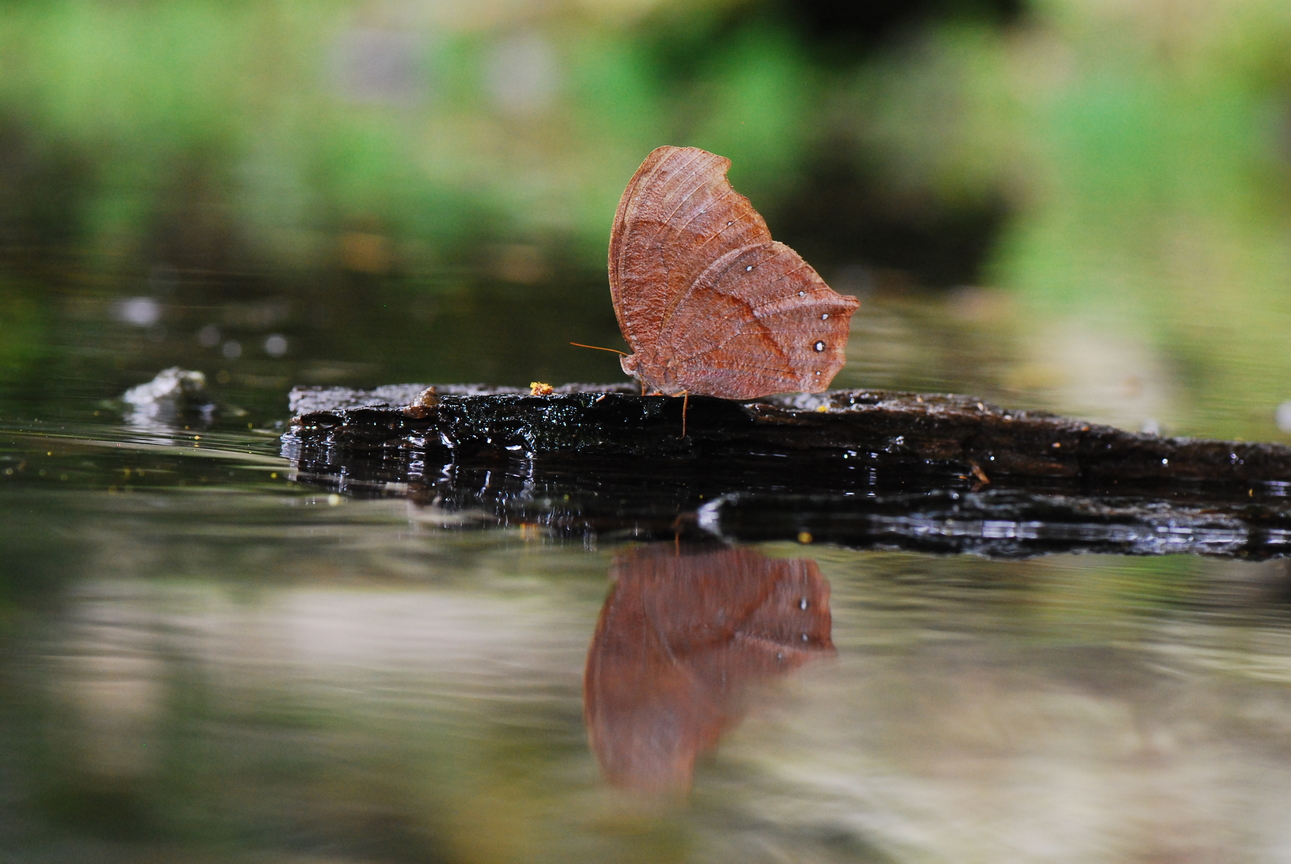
(868,469)
(940,434)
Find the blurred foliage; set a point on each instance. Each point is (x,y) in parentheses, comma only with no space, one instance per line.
(283,124)
(1120,169)
(1143,148)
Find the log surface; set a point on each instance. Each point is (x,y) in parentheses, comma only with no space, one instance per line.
(916,432)
(867,469)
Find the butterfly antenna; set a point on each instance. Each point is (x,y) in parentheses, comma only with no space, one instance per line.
(598,348)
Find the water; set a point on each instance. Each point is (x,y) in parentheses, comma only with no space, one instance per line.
(202,658)
(257,673)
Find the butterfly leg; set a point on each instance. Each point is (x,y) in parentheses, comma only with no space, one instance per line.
(685,403)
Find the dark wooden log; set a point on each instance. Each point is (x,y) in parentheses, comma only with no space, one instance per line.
(933,473)
(917,432)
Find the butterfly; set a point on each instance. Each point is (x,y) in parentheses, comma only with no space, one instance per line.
(709,304)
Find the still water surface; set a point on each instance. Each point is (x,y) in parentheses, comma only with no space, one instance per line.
(202,658)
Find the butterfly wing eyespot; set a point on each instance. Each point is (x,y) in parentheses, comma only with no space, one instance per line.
(709,304)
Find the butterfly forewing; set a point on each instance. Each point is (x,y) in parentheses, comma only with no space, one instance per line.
(677,215)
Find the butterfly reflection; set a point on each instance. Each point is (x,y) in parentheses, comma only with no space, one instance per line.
(679,638)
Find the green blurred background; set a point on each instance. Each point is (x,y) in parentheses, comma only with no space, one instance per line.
(1072,204)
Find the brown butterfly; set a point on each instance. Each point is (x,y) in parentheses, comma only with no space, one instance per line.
(708,302)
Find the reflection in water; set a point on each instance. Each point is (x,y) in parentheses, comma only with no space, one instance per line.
(248,677)
(679,638)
